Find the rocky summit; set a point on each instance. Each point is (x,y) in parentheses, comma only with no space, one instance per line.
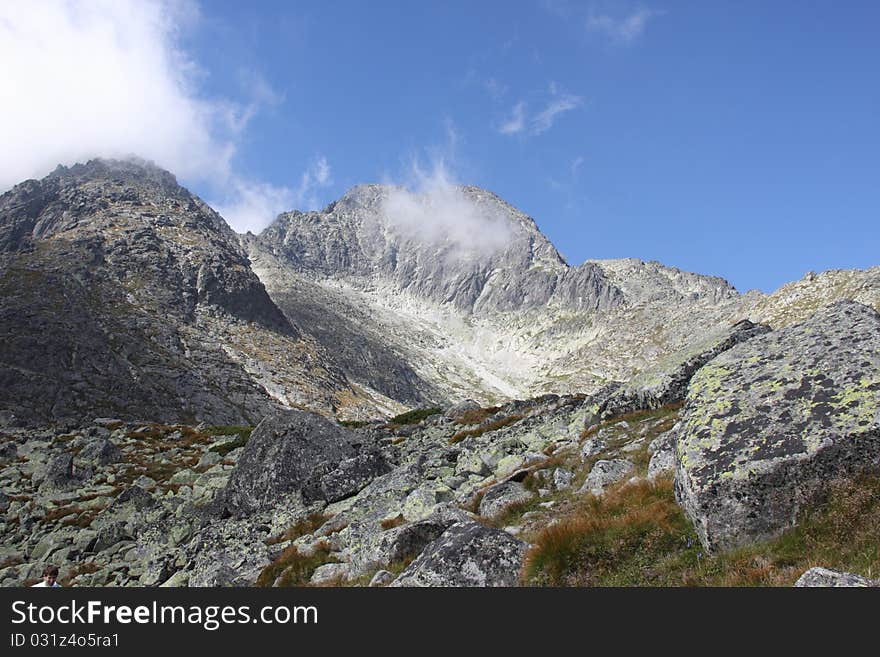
(414,389)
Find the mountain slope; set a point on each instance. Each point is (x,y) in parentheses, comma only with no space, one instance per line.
(484,306)
(123,295)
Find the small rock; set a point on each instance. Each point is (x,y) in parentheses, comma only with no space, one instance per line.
(591,447)
(605,473)
(467,554)
(329,572)
(500,497)
(562,478)
(823,577)
(381,578)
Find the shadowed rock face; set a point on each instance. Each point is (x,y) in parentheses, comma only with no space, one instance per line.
(116,285)
(770,423)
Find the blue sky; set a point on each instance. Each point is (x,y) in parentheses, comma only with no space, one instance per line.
(740,139)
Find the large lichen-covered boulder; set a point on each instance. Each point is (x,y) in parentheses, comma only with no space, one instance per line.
(667,381)
(769,424)
(288,452)
(467,554)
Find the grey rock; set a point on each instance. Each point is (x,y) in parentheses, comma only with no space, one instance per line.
(101,452)
(352,475)
(562,478)
(208,459)
(288,452)
(662,451)
(381,578)
(111,534)
(591,447)
(770,424)
(59,474)
(605,473)
(409,540)
(8,452)
(823,577)
(467,554)
(500,497)
(329,573)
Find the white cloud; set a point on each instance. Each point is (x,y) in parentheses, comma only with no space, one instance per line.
(623,30)
(315,177)
(545,119)
(517,121)
(520,123)
(437,212)
(108,78)
(250,206)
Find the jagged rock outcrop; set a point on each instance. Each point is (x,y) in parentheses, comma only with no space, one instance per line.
(770,423)
(438,317)
(358,236)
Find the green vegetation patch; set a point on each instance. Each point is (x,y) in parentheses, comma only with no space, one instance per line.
(354,424)
(243,432)
(414,416)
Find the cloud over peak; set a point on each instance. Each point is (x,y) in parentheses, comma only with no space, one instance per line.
(436,213)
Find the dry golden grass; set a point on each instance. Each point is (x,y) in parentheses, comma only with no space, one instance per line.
(477,415)
(305,526)
(480,430)
(391,523)
(636,535)
(292,568)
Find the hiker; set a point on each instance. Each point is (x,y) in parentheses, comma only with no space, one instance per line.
(50,577)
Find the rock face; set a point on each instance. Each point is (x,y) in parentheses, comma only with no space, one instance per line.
(293,452)
(822,577)
(359,236)
(768,424)
(467,554)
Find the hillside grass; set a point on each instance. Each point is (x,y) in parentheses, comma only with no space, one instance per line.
(636,535)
